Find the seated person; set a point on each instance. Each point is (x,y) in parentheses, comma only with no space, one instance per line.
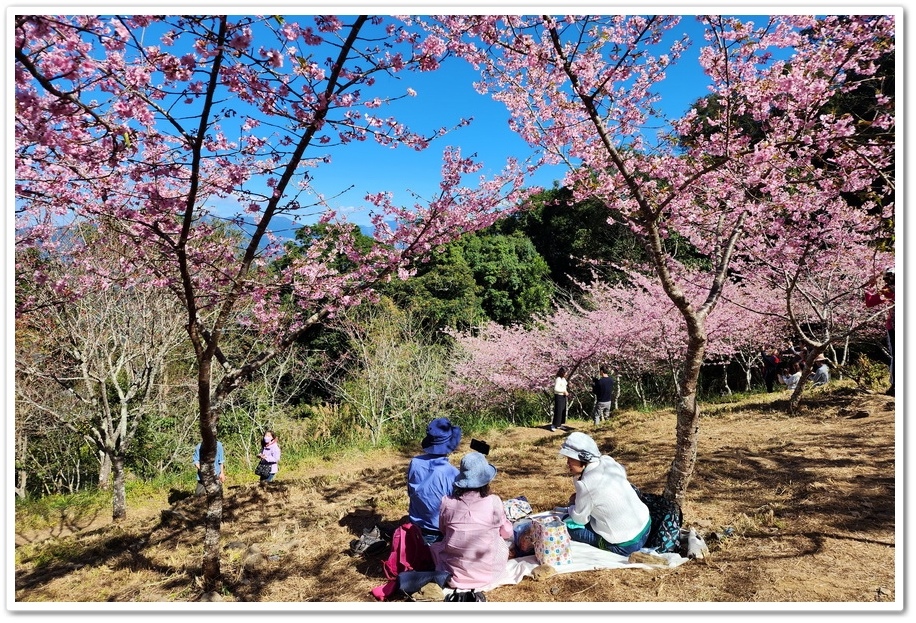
(821,373)
(430,477)
(791,377)
(477,533)
(605,510)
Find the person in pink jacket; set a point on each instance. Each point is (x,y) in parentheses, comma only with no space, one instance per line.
(477,533)
(270,452)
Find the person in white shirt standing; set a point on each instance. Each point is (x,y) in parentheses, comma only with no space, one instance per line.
(559,400)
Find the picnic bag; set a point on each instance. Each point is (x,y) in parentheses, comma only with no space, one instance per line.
(263,469)
(666,516)
(551,541)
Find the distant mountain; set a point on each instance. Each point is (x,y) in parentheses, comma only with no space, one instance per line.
(285,228)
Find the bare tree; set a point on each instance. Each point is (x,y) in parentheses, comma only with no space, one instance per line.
(109,349)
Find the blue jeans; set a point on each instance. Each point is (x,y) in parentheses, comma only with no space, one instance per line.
(590,537)
(431,537)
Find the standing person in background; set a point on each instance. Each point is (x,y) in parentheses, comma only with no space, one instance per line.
(770,367)
(270,453)
(559,400)
(603,388)
(884,295)
(217,466)
(430,477)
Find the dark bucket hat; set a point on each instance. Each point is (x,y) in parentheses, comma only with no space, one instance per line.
(442,437)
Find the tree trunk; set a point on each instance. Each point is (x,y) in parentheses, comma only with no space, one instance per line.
(728,390)
(118,495)
(22,442)
(210,567)
(212,524)
(104,471)
(795,398)
(688,417)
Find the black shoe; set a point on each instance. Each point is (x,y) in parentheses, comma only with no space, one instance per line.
(553,429)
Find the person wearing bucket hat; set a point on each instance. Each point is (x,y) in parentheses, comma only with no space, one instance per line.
(430,476)
(604,511)
(475,548)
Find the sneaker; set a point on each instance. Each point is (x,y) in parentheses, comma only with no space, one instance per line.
(553,429)
(369,544)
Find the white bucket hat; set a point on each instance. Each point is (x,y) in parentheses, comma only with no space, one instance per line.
(581,447)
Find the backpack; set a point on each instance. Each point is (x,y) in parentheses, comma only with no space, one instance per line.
(666,516)
(409,552)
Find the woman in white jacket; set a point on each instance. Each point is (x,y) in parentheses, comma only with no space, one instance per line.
(604,511)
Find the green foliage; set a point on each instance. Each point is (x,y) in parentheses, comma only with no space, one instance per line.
(58,461)
(443,293)
(154,449)
(566,234)
(36,513)
(480,276)
(395,373)
(325,235)
(511,276)
(579,239)
(868,374)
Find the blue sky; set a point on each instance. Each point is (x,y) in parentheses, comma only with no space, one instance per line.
(447,95)
(444,97)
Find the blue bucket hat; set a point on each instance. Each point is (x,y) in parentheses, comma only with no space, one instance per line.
(475,471)
(442,437)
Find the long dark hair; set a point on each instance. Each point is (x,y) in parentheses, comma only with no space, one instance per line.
(562,371)
(484,491)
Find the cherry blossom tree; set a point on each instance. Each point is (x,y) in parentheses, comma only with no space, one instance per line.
(818,268)
(582,89)
(629,325)
(159,130)
(747,319)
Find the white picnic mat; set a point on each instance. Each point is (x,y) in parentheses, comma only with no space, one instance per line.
(584,558)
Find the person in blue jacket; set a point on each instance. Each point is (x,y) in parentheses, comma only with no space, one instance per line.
(430,477)
(217,466)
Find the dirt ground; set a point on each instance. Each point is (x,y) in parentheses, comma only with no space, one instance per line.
(811,501)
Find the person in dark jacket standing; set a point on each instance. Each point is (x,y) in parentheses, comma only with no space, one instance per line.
(770,367)
(603,388)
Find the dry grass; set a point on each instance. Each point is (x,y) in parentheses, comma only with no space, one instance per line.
(811,500)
